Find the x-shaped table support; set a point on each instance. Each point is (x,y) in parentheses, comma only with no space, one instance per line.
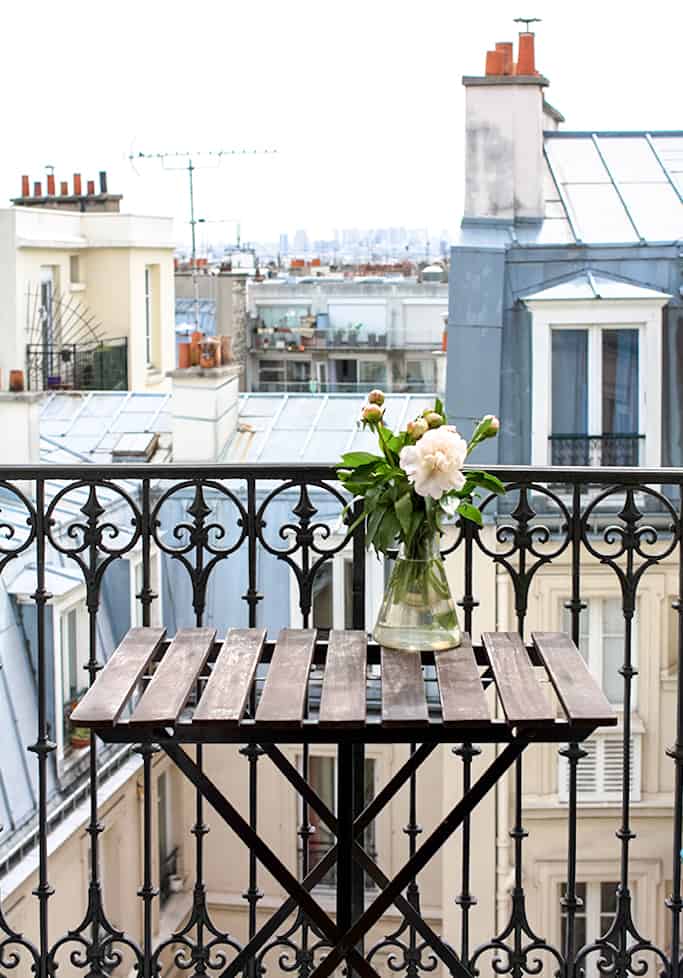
(344,942)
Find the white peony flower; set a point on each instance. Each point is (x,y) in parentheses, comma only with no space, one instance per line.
(434,464)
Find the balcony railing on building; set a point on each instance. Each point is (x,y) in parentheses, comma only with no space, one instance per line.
(596,450)
(94,366)
(297,338)
(216,529)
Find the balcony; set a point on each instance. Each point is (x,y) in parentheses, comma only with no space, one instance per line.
(96,366)
(249,545)
(358,337)
(596,450)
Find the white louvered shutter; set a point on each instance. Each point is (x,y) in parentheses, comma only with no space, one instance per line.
(599,774)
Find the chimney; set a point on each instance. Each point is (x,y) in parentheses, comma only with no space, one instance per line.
(37,189)
(103,181)
(91,188)
(78,190)
(204,409)
(505,117)
(64,188)
(50,184)
(505,48)
(525,56)
(25,186)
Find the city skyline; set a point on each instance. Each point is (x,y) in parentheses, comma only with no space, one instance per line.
(372,139)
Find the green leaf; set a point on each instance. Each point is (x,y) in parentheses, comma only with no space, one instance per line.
(486,481)
(470,512)
(374,521)
(351,460)
(403,508)
(438,407)
(388,532)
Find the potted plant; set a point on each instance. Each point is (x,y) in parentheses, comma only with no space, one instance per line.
(79,737)
(408,491)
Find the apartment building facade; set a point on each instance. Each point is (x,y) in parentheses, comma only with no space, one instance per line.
(86,291)
(327,335)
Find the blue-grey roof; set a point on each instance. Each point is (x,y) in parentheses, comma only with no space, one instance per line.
(593,285)
(186,314)
(601,188)
(315,428)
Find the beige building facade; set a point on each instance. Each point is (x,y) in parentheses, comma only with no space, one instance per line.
(70,279)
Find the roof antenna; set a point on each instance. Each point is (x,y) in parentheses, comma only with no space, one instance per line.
(527,21)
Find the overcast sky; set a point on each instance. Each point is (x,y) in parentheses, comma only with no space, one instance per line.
(361,98)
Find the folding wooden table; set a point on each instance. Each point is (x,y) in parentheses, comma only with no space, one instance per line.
(344,691)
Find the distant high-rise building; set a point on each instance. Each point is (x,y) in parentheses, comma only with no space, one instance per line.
(300,241)
(283,247)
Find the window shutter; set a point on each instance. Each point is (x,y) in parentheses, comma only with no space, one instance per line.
(598,775)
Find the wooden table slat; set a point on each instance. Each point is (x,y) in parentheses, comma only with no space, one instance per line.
(171,685)
(343,698)
(520,693)
(577,690)
(283,700)
(463,701)
(227,690)
(404,699)
(105,700)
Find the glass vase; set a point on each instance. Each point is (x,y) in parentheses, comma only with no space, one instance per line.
(418,612)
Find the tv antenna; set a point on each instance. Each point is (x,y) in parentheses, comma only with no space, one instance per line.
(526,21)
(191,166)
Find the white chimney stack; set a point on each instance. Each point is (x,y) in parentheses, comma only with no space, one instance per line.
(204,406)
(505,118)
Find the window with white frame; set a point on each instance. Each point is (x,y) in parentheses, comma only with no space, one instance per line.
(601,643)
(149,314)
(332,592)
(322,776)
(136,584)
(597,398)
(593,919)
(167,852)
(72,629)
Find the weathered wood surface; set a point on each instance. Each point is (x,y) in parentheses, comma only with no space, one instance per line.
(172,684)
(463,701)
(577,690)
(227,690)
(404,699)
(521,695)
(284,696)
(343,699)
(106,699)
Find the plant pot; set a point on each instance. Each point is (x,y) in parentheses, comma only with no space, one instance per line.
(418,612)
(175,883)
(79,738)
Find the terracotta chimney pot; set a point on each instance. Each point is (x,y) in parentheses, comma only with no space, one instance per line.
(25,186)
(494,62)
(64,188)
(78,190)
(91,188)
(50,184)
(526,62)
(505,48)
(37,189)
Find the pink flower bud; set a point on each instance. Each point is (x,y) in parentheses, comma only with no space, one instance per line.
(372,413)
(416,429)
(433,419)
(376,397)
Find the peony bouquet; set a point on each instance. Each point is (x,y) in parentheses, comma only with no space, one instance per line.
(418,480)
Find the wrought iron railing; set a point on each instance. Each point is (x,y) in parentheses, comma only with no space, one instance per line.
(90,366)
(613,450)
(200,517)
(313,386)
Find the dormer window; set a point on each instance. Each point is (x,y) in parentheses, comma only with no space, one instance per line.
(597,352)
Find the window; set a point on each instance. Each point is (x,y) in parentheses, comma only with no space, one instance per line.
(284,316)
(73,649)
(149,313)
(47,292)
(420,375)
(136,581)
(168,856)
(322,776)
(298,375)
(599,774)
(333,592)
(372,372)
(595,397)
(271,375)
(593,919)
(601,642)
(74,269)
